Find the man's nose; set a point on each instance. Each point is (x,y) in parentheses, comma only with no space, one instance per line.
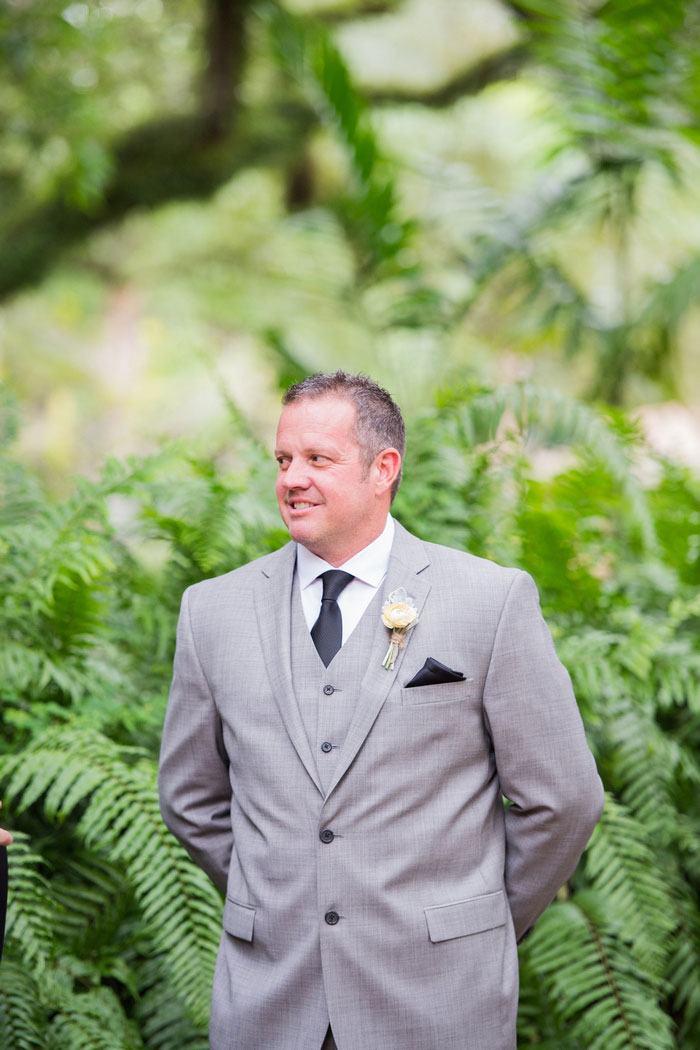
(296,476)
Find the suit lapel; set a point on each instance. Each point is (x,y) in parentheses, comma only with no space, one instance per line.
(273,605)
(408,559)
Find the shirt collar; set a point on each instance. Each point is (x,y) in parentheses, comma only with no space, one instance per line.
(369,565)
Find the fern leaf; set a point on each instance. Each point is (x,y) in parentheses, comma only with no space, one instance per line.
(93,1020)
(623,867)
(121,816)
(21,1026)
(161,1019)
(593,982)
(30,910)
(683,968)
(559,419)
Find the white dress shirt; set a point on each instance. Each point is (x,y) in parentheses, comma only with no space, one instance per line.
(369,567)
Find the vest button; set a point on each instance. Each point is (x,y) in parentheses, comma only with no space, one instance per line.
(331,917)
(326,835)
(326,747)
(328,690)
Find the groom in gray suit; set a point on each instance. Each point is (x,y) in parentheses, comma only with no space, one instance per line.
(346,717)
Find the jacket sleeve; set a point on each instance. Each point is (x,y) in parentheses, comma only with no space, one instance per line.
(193,777)
(545,768)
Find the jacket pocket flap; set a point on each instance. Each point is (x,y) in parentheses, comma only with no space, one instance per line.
(465,917)
(239,919)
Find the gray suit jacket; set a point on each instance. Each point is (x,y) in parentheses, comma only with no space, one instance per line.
(430,878)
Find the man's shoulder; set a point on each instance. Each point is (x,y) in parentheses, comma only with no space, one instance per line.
(461,569)
(244,578)
(460,563)
(466,561)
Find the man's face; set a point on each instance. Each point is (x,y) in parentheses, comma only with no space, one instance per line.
(329,501)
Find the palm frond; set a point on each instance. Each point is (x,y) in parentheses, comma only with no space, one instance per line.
(306,49)
(614,79)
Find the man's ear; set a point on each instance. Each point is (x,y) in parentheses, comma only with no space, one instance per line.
(386,466)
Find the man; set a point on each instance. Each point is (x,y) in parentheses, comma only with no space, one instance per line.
(351,811)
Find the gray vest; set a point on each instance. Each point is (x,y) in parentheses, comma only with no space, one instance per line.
(327,696)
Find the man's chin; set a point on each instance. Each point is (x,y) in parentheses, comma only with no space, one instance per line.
(310,539)
(301,532)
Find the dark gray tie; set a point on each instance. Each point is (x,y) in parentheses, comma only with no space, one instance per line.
(327,632)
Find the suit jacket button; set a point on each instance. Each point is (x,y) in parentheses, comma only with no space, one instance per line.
(326,747)
(328,690)
(326,835)
(331,917)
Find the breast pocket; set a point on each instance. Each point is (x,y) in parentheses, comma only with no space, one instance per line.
(445,692)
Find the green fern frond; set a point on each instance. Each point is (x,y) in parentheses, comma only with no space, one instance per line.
(212,524)
(586,653)
(116,789)
(161,1019)
(95,909)
(31,912)
(21,667)
(92,1020)
(21,1021)
(677,674)
(20,494)
(683,968)
(550,418)
(645,761)
(9,417)
(623,867)
(69,544)
(641,639)
(56,550)
(537,1023)
(593,982)
(557,419)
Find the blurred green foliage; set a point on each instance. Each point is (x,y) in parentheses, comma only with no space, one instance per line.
(189,189)
(88,617)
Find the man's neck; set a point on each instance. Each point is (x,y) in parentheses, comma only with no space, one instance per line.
(377,549)
(336,559)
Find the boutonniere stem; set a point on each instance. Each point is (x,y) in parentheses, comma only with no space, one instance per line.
(399,614)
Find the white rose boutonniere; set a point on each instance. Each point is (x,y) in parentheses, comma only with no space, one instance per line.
(399,614)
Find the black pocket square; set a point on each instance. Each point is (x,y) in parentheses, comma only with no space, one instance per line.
(434,673)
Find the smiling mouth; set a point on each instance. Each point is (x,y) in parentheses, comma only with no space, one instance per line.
(300,504)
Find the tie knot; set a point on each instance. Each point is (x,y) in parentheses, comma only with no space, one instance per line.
(335,581)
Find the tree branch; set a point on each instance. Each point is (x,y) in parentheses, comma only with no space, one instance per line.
(156,163)
(503,66)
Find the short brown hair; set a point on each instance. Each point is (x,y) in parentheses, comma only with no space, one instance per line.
(379,423)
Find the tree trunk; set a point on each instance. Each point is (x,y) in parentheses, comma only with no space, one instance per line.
(225,45)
